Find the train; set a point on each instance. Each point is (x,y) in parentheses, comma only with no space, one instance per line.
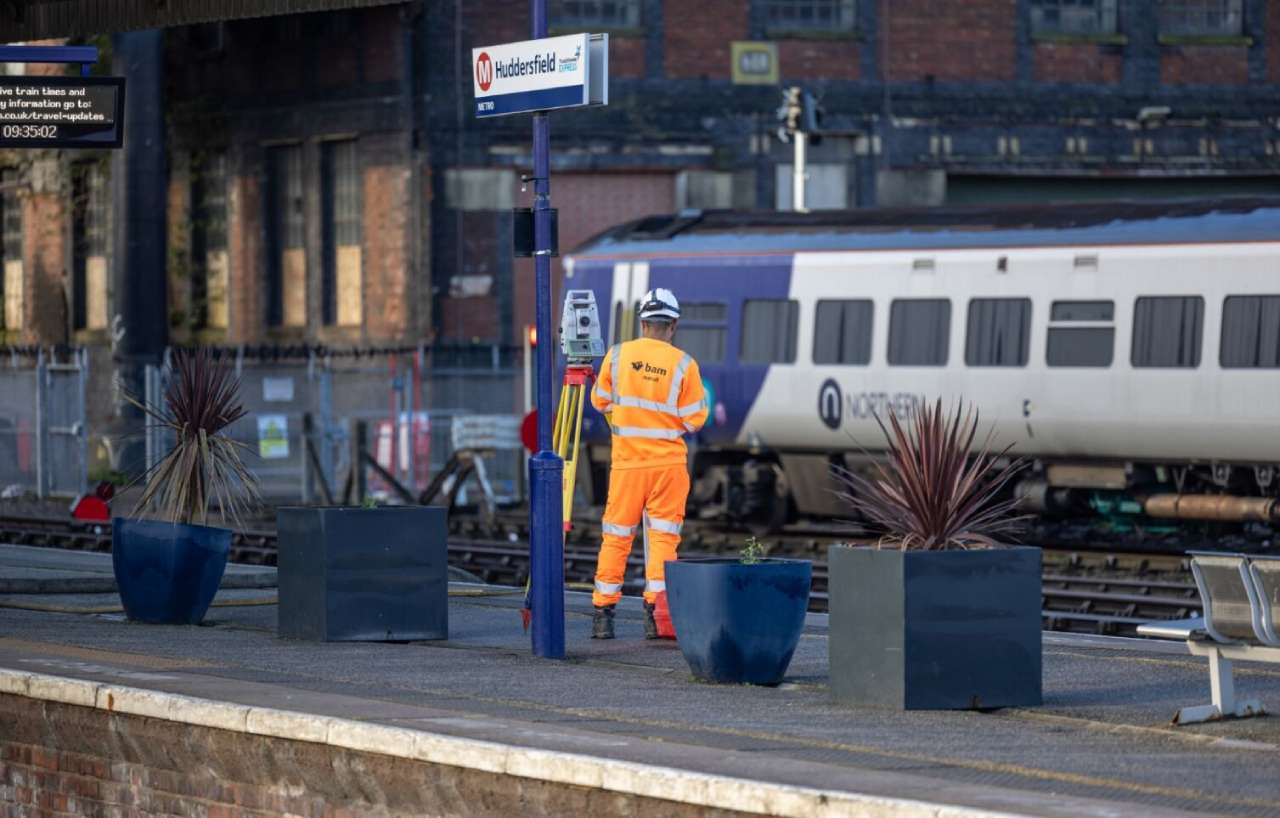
(1128,351)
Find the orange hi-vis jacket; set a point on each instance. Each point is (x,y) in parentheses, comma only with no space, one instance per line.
(652,394)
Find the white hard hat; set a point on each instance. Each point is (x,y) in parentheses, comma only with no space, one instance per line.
(659,303)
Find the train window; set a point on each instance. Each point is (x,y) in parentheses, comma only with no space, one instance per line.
(919,332)
(842,332)
(1250,332)
(1081,333)
(1082,311)
(769,331)
(702,331)
(999,332)
(1167,331)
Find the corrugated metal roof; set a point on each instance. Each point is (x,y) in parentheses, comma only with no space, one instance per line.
(22,20)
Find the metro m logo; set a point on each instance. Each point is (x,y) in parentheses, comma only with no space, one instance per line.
(484,71)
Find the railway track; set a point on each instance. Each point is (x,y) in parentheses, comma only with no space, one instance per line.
(1083,591)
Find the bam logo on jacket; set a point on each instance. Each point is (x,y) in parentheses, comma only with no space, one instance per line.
(648,370)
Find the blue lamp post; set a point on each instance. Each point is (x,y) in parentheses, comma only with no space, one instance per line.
(546,469)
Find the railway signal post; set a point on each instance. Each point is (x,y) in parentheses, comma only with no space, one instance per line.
(536,76)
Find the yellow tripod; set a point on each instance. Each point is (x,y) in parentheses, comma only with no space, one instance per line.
(567,433)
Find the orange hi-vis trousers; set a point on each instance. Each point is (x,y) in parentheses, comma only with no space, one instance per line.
(655,498)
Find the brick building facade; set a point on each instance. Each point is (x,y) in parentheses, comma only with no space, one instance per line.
(327,182)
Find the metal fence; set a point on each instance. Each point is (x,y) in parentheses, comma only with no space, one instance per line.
(305,412)
(43,439)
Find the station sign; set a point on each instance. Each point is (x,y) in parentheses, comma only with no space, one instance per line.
(61,112)
(754,63)
(541,75)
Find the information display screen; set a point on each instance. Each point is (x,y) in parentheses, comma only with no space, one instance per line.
(61,112)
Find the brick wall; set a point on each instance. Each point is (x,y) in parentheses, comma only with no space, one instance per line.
(1273,41)
(387,296)
(499,21)
(244,244)
(1066,62)
(698,36)
(45,268)
(589,203)
(951,40)
(1204,65)
(818,60)
(626,57)
(60,760)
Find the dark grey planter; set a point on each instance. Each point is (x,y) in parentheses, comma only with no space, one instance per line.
(935,629)
(355,574)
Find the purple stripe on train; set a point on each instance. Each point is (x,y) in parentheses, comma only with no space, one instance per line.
(727,281)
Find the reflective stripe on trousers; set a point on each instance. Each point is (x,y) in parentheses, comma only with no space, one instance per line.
(652,499)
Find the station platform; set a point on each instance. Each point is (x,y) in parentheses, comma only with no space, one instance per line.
(621,726)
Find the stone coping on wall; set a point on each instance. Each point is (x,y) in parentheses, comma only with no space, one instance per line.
(666,783)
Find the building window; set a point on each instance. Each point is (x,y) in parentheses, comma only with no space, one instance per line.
(919,332)
(999,332)
(1213,18)
(210,265)
(11,285)
(341,276)
(1167,332)
(826,188)
(1250,332)
(702,331)
(285,223)
(89,247)
(802,16)
(1073,16)
(1081,333)
(594,14)
(769,329)
(842,332)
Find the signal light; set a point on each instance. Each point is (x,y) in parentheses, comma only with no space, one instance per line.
(532,333)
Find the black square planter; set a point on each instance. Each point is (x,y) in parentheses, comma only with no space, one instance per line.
(356,574)
(935,629)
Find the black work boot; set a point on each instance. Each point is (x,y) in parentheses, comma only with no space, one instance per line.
(650,626)
(602,623)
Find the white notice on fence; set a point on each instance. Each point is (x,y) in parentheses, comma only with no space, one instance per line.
(277,389)
(273,437)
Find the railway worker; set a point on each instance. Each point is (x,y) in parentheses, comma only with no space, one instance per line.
(651,393)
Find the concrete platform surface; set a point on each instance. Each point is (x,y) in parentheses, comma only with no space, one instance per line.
(627,714)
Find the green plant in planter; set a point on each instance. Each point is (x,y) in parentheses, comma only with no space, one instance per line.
(936,616)
(753,552)
(169,569)
(204,465)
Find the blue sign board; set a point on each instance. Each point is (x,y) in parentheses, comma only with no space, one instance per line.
(540,75)
(61,112)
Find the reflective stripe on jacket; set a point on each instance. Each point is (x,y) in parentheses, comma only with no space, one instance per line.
(652,394)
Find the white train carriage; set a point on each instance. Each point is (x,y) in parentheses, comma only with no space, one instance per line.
(1130,349)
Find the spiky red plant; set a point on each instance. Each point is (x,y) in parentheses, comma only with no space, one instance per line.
(204,464)
(935,490)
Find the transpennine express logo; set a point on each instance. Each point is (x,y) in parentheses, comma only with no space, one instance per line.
(484,71)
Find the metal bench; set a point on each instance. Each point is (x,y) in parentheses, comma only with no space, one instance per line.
(1241,598)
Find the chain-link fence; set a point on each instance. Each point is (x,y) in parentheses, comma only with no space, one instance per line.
(310,416)
(43,440)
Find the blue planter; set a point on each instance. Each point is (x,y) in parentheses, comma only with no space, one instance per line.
(167,572)
(738,623)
